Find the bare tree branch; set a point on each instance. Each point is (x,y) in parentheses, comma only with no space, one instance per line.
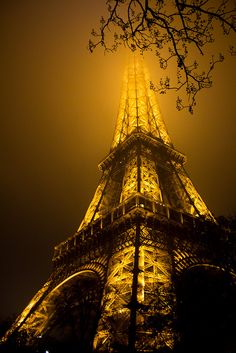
(175,30)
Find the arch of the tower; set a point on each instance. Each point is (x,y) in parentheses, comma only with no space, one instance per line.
(206,310)
(66,319)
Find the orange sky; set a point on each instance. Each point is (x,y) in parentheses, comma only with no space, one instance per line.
(58,109)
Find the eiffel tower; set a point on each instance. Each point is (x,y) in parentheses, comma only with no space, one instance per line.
(116,283)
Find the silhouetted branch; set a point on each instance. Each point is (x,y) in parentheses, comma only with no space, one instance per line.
(176,31)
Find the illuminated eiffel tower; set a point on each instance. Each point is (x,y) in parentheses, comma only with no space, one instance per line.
(114,286)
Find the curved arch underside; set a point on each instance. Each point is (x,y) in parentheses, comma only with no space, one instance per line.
(66,319)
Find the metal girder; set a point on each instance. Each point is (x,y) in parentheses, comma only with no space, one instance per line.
(139,110)
(154,297)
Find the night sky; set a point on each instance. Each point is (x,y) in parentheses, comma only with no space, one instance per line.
(58,109)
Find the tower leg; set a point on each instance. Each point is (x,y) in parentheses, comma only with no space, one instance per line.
(137,308)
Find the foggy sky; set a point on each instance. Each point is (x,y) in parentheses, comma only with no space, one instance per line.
(58,109)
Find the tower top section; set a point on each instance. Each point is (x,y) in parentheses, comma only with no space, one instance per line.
(139,110)
(142,162)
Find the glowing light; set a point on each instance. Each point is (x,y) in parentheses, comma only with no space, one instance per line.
(140,172)
(139,110)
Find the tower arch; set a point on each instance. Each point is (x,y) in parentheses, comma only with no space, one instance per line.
(66,318)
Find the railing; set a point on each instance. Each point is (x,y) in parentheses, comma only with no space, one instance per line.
(135,202)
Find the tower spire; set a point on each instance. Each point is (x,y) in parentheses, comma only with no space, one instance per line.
(138,110)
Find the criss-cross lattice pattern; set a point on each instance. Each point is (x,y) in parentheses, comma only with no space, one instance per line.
(139,110)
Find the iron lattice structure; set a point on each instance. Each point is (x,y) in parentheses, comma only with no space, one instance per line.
(114,286)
